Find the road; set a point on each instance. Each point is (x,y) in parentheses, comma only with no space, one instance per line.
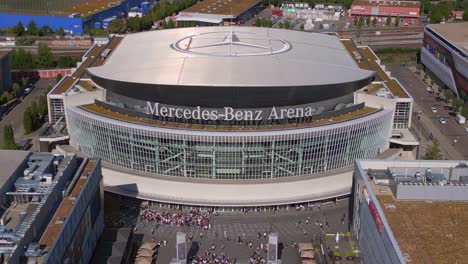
(452,136)
(15,116)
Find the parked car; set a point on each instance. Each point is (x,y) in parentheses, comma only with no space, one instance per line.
(433,109)
(25,144)
(448,107)
(442,120)
(452,114)
(466,129)
(461,119)
(438,99)
(429,90)
(27,91)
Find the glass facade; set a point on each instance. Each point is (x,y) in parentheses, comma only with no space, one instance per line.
(56,109)
(228,155)
(402,115)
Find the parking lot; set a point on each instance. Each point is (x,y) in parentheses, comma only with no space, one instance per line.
(452,136)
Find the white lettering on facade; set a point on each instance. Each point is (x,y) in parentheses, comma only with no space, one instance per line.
(229,113)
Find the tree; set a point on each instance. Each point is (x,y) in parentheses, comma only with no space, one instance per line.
(368,21)
(8,138)
(22,60)
(45,30)
(18,30)
(44,56)
(66,62)
(397,21)
(42,106)
(464,111)
(135,24)
(388,21)
(448,95)
(457,103)
(465,14)
(36,117)
(5,97)
(170,23)
(15,90)
(433,151)
(117,26)
(302,26)
(58,78)
(60,31)
(321,26)
(374,21)
(361,21)
(24,81)
(355,21)
(28,122)
(286,24)
(258,22)
(33,30)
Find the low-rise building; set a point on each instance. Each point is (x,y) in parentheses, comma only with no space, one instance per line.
(52,207)
(406,10)
(410,211)
(445,54)
(5,70)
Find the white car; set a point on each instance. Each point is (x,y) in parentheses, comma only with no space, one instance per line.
(434,110)
(442,121)
(466,129)
(429,89)
(27,91)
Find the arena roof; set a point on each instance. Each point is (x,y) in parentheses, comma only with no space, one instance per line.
(455,33)
(217,56)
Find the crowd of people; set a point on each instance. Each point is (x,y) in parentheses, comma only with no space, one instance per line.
(209,257)
(256,258)
(194,217)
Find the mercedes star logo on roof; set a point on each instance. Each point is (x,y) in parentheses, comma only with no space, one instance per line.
(231,43)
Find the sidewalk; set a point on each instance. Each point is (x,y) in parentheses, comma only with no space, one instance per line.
(427,128)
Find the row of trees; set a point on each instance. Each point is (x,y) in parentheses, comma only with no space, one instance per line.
(32,29)
(25,60)
(13,92)
(34,115)
(263,22)
(8,138)
(361,21)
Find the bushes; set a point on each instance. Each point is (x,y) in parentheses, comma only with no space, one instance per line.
(396,50)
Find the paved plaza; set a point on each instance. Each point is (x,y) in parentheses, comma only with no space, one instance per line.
(227,227)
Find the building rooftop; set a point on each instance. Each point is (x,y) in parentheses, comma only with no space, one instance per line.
(99,110)
(56,7)
(223,7)
(90,7)
(9,162)
(217,56)
(455,33)
(427,231)
(367,60)
(92,58)
(409,4)
(57,221)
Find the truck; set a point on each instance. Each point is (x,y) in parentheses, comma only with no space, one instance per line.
(461,119)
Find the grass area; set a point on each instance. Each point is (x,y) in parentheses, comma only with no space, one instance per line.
(397,57)
(326,121)
(89,7)
(430,232)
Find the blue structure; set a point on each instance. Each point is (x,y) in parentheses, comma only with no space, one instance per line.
(72,25)
(69,24)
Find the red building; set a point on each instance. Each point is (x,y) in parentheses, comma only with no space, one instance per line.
(407,10)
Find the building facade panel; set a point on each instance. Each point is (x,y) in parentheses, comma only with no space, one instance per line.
(229,155)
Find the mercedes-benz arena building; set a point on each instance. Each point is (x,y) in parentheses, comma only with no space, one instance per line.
(226,117)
